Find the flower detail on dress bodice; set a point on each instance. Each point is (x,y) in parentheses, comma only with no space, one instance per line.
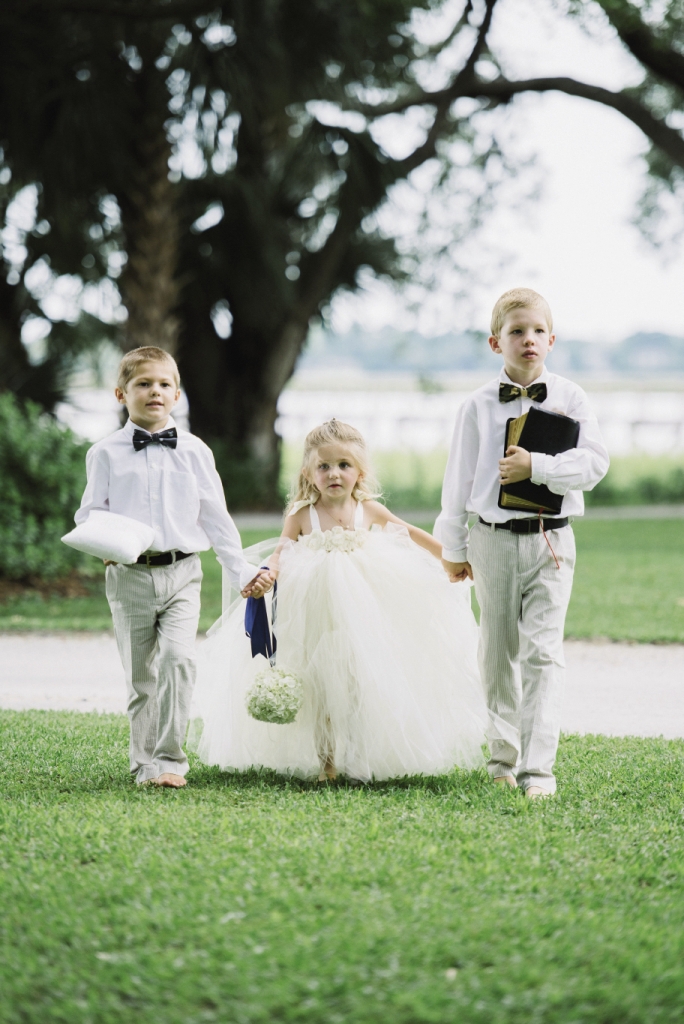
(336,539)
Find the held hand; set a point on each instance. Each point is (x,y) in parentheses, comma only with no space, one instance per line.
(108,561)
(260,585)
(458,571)
(516,466)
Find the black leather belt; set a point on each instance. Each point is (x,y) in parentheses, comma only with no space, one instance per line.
(526,525)
(166,558)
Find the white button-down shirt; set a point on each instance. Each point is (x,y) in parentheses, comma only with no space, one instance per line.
(471,481)
(176,491)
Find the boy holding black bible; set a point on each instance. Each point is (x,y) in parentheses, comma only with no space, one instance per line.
(521,551)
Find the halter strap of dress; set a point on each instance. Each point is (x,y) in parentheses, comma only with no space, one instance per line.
(316,522)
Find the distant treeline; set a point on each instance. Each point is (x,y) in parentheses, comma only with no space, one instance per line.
(650,355)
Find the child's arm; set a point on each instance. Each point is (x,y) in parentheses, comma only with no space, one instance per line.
(218,525)
(580,468)
(96,494)
(451,527)
(381,515)
(291,531)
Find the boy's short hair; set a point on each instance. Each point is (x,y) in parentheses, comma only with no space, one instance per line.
(518,298)
(147,354)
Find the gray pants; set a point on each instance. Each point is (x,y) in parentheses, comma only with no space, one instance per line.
(523,599)
(156,614)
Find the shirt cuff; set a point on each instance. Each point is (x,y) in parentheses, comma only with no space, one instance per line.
(247,574)
(538,475)
(455,556)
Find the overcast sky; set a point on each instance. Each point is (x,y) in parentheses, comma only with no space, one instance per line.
(576,244)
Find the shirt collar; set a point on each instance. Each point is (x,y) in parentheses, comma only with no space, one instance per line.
(130,426)
(543,378)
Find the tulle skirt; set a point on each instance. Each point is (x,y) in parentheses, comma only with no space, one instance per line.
(386,649)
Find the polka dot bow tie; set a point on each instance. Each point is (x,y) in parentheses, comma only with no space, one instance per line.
(509,392)
(141,439)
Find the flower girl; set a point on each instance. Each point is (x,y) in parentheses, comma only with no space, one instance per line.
(385,648)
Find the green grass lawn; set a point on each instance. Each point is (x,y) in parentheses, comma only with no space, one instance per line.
(248,899)
(629,585)
(629,581)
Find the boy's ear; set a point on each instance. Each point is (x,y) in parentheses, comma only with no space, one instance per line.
(494,343)
(120,396)
(552,341)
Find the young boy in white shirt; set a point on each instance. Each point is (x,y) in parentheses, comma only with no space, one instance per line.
(165,477)
(523,595)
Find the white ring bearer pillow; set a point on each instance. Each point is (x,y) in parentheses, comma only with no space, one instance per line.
(112,537)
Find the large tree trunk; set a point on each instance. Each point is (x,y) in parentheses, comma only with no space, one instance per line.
(233,389)
(36,383)
(149,285)
(15,369)
(233,384)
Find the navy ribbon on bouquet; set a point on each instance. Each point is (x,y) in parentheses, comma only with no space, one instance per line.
(257,626)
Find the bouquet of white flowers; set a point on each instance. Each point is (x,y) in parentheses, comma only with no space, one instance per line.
(274,696)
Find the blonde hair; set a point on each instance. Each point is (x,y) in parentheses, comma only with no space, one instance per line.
(148,354)
(518,298)
(334,432)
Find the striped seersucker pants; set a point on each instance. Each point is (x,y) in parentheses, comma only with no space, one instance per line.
(523,600)
(156,614)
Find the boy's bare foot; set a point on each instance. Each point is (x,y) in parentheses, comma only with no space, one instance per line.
(170,780)
(536,792)
(506,780)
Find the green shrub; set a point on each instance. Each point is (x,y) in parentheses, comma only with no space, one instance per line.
(42,476)
(641,480)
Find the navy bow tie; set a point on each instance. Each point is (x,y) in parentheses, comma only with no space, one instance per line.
(509,392)
(141,438)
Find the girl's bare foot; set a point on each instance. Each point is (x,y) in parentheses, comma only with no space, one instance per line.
(329,773)
(170,780)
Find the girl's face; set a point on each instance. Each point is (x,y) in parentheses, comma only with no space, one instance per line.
(334,472)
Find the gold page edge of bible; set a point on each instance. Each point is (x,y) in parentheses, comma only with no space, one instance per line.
(522,505)
(515,429)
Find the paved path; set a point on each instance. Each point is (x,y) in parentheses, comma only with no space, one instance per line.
(615,689)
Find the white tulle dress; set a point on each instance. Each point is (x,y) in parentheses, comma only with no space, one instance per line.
(386,649)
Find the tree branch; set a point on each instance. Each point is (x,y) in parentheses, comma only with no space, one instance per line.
(481,41)
(655,54)
(437,48)
(667,139)
(139,11)
(502,90)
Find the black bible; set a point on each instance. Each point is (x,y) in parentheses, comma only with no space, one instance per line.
(537,431)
